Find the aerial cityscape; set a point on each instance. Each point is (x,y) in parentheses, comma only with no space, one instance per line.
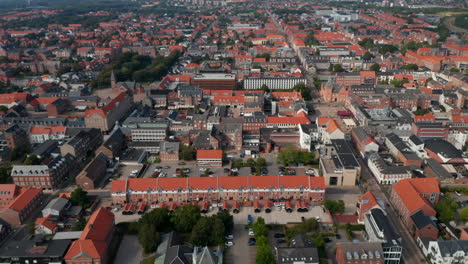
(233,131)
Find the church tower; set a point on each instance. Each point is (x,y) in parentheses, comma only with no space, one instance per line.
(113,82)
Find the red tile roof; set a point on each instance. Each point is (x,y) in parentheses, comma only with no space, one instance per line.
(410,190)
(25,197)
(226,182)
(209,154)
(8,191)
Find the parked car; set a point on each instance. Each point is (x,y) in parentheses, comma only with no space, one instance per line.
(338,236)
(178,170)
(249,219)
(252,241)
(280,241)
(279,235)
(203,169)
(457,193)
(167,167)
(186,170)
(317,218)
(229,243)
(230,237)
(327,240)
(226,170)
(181,163)
(251,232)
(310,172)
(235,169)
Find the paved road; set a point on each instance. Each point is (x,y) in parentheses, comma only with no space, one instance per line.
(241,252)
(411,252)
(130,251)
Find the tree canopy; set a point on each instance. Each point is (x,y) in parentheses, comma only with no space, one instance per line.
(184,218)
(334,206)
(446,208)
(290,155)
(80,197)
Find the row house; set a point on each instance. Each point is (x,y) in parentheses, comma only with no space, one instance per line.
(210,158)
(214,189)
(384,173)
(39,134)
(49,176)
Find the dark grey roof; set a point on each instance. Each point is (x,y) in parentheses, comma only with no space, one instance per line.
(421,219)
(437,168)
(38,249)
(416,141)
(449,247)
(444,148)
(178,255)
(380,219)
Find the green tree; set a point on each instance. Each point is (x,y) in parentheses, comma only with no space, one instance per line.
(201,232)
(250,162)
(32,160)
(383,49)
(187,153)
(80,225)
(420,112)
(366,43)
(158,217)
(367,56)
(264,254)
(446,208)
(3,108)
(259,227)
(398,83)
(338,68)
(4,173)
(334,206)
(375,67)
(261,162)
(149,238)
(227,220)
(184,218)
(305,91)
(238,163)
(409,67)
(265,88)
(464,214)
(80,197)
(290,155)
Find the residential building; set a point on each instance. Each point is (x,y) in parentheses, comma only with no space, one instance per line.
(444,152)
(367,202)
(328,130)
(82,144)
(445,251)
(20,209)
(378,229)
(363,142)
(338,164)
(40,134)
(37,250)
(308,135)
(423,225)
(401,151)
(412,195)
(56,207)
(49,176)
(104,118)
(16,137)
(359,253)
(254,188)
(8,193)
(169,151)
(148,132)
(94,172)
(5,230)
(114,145)
(301,251)
(215,81)
(385,173)
(273,83)
(210,158)
(93,244)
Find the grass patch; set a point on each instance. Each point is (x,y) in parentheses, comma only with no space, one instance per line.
(149,260)
(450,13)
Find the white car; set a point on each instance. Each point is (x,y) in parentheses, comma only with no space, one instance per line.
(229,243)
(457,193)
(134,171)
(229,237)
(234,169)
(203,169)
(310,172)
(116,209)
(251,232)
(317,218)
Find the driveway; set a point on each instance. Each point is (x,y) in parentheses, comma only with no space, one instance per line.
(240,252)
(130,251)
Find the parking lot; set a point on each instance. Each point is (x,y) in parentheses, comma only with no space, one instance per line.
(240,252)
(280,216)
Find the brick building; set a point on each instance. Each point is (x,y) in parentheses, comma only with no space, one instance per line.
(93,244)
(169,151)
(412,195)
(18,211)
(90,177)
(49,176)
(81,144)
(210,158)
(105,117)
(213,189)
(16,137)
